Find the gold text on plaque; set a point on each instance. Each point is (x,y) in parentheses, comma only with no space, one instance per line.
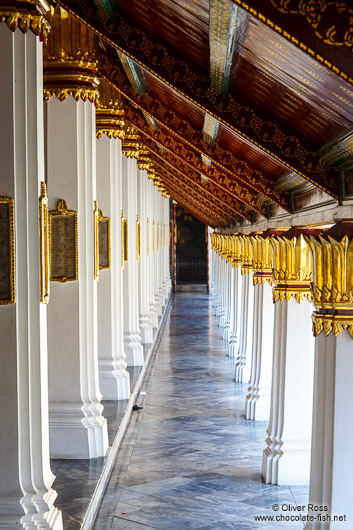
(63,243)
(7,251)
(104,241)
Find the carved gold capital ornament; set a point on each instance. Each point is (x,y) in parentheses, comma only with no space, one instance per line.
(109,112)
(333,280)
(292,266)
(70,59)
(130,144)
(26,15)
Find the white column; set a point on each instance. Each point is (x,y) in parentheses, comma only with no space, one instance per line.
(151,256)
(132,337)
(227,301)
(236,310)
(146,328)
(286,460)
(25,474)
(243,356)
(77,427)
(257,404)
(113,377)
(332,440)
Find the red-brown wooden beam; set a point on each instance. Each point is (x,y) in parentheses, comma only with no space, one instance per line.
(193,207)
(187,155)
(189,196)
(323,30)
(243,171)
(208,188)
(182,75)
(198,193)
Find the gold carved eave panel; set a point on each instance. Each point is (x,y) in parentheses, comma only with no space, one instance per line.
(186,78)
(186,174)
(203,213)
(197,192)
(182,128)
(177,149)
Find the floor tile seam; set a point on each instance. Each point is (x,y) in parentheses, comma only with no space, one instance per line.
(136,522)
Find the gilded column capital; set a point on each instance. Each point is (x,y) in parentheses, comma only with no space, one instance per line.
(262,251)
(70,59)
(144,158)
(333,279)
(130,144)
(292,265)
(236,250)
(26,15)
(109,112)
(246,254)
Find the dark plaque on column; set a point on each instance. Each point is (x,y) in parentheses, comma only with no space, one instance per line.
(7,251)
(104,241)
(63,244)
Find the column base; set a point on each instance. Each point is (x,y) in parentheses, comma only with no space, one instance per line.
(48,517)
(113,383)
(133,350)
(77,431)
(257,405)
(286,463)
(11,511)
(146,333)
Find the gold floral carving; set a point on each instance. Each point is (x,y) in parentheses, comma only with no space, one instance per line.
(181,128)
(246,255)
(26,16)
(109,112)
(292,268)
(130,144)
(175,149)
(70,59)
(262,259)
(332,284)
(313,11)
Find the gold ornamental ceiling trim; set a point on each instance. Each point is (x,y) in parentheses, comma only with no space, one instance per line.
(240,118)
(109,112)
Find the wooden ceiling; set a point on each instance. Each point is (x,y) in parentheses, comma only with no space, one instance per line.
(245,97)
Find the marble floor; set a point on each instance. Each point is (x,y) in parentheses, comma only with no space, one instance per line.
(189,459)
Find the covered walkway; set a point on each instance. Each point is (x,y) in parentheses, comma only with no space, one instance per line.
(189,458)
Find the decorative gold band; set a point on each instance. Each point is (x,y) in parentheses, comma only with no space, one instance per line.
(261,277)
(287,292)
(25,21)
(332,323)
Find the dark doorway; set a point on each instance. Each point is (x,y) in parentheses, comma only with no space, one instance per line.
(191,249)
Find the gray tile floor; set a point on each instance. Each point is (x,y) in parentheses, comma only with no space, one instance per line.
(189,458)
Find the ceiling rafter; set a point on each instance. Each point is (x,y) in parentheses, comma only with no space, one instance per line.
(187,174)
(200,210)
(168,65)
(197,191)
(195,213)
(223,158)
(188,156)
